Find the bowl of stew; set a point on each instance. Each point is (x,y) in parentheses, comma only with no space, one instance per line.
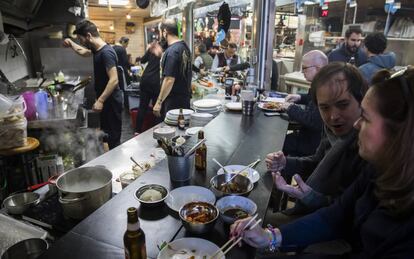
(239,185)
(232,208)
(198,217)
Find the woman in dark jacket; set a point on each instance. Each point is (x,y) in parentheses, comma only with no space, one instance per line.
(376,213)
(150,82)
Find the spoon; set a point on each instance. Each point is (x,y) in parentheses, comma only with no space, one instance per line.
(135,162)
(222,167)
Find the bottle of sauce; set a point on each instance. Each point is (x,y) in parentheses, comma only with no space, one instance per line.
(201,154)
(134,237)
(181,120)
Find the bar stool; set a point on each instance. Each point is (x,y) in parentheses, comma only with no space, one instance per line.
(15,160)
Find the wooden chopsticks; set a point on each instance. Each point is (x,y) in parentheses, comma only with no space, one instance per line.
(238,240)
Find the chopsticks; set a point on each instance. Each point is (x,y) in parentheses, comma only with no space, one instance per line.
(251,165)
(221,166)
(238,240)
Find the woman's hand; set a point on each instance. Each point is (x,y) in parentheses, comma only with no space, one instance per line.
(256,237)
(275,161)
(298,192)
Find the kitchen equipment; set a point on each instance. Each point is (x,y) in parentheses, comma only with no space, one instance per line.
(41,104)
(227,203)
(156,187)
(51,182)
(192,216)
(83,190)
(180,167)
(18,203)
(26,249)
(248,107)
(240,182)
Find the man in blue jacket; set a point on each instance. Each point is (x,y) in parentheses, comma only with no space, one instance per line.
(350,51)
(375,45)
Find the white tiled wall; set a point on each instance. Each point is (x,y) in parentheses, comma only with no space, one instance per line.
(14,68)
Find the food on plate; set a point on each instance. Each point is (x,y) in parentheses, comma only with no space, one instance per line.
(232,187)
(236,213)
(151,195)
(272,106)
(199,215)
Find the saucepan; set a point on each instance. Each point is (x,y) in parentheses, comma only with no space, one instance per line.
(83,190)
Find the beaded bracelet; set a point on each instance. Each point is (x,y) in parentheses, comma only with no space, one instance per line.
(273,241)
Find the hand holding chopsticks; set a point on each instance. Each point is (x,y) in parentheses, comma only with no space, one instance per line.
(235,242)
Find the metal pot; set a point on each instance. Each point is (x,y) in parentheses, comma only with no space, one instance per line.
(26,249)
(83,190)
(20,202)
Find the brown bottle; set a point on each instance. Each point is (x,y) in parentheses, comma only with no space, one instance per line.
(181,120)
(201,154)
(134,237)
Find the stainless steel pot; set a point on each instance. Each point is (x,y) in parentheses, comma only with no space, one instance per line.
(83,190)
(26,249)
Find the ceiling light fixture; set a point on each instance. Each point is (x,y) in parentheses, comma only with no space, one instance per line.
(111,27)
(309,2)
(352,3)
(128,16)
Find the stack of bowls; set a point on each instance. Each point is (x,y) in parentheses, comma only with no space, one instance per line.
(200,119)
(172,116)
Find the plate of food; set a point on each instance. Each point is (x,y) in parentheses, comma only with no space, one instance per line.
(250,173)
(194,248)
(271,106)
(183,195)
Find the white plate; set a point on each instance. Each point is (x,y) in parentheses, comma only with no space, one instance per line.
(201,115)
(176,112)
(266,109)
(253,175)
(183,195)
(197,247)
(207,103)
(275,99)
(193,130)
(234,106)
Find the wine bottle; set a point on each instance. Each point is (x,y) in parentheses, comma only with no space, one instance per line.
(134,237)
(181,120)
(201,154)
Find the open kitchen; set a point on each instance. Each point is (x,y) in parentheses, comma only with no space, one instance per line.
(201,128)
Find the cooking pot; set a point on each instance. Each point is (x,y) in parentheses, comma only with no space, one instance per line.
(26,249)
(83,190)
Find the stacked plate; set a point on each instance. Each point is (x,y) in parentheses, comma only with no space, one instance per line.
(164,132)
(200,119)
(172,116)
(211,106)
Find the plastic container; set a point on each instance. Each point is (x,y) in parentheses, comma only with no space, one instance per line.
(13,134)
(42,105)
(5,105)
(29,98)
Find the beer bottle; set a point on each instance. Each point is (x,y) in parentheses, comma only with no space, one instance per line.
(201,154)
(181,120)
(134,237)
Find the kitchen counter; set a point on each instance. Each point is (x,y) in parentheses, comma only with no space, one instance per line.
(231,138)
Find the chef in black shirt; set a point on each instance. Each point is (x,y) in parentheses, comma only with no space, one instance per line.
(176,71)
(109,96)
(150,81)
(123,59)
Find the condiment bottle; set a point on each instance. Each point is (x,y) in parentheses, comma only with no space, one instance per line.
(134,237)
(201,154)
(181,120)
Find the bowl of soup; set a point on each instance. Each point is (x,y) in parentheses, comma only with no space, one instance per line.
(239,185)
(232,208)
(198,217)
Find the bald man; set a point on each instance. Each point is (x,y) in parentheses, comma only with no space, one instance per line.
(304,142)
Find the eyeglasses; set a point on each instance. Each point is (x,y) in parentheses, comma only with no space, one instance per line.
(304,68)
(404,84)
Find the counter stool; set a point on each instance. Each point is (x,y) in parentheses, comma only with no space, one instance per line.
(16,166)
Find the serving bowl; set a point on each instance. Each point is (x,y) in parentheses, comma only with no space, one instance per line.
(26,249)
(239,185)
(233,208)
(147,202)
(198,217)
(20,202)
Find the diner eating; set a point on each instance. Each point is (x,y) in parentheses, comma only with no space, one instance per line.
(244,129)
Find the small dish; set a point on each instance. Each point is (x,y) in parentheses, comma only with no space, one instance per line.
(232,207)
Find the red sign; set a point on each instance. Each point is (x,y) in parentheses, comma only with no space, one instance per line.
(324,13)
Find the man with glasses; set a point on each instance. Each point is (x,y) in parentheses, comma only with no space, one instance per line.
(227,59)
(350,51)
(304,142)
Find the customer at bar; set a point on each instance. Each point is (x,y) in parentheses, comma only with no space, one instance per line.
(150,82)
(375,45)
(337,89)
(223,61)
(203,60)
(350,51)
(176,66)
(303,142)
(108,95)
(376,213)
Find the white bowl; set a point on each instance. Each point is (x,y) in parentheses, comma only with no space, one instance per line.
(235,202)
